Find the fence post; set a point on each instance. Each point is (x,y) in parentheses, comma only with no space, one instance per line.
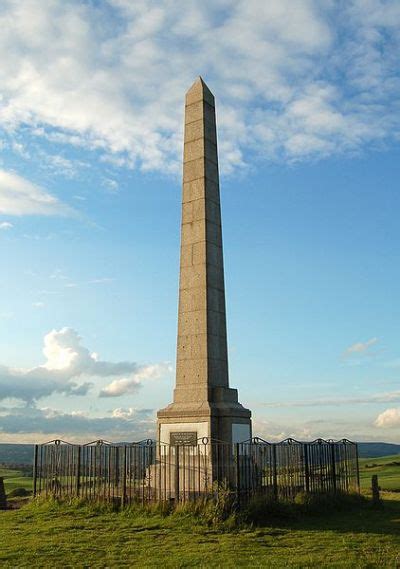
(274,472)
(306,469)
(116,467)
(35,468)
(3,496)
(333,469)
(123,498)
(177,489)
(237,457)
(78,471)
(376,498)
(357,470)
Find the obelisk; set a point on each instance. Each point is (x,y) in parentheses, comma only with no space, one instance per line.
(204,405)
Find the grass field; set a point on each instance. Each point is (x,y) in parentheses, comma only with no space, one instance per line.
(387,468)
(15,479)
(49,535)
(43,535)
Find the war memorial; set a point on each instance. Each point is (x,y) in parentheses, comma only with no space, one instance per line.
(204,436)
(204,405)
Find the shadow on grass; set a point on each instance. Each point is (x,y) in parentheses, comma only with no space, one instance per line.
(344,514)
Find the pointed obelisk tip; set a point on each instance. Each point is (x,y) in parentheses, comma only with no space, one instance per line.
(199,91)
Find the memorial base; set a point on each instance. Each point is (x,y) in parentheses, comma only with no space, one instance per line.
(181,425)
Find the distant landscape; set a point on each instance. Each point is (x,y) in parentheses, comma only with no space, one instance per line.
(23,453)
(382,459)
(371,450)
(16,453)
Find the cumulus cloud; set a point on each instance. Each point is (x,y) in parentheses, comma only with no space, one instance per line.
(19,196)
(70,368)
(125,413)
(361,348)
(64,353)
(120,387)
(124,386)
(389,418)
(293,81)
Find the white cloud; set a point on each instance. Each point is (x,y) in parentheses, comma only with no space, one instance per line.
(70,368)
(58,164)
(111,185)
(19,196)
(124,386)
(61,164)
(361,348)
(124,413)
(154,371)
(19,148)
(292,81)
(389,418)
(6,225)
(65,354)
(120,387)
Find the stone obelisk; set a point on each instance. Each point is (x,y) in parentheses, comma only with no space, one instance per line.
(204,405)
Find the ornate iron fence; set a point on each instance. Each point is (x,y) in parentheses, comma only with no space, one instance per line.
(149,471)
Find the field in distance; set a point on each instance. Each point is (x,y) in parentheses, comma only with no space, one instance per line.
(387,468)
(18,477)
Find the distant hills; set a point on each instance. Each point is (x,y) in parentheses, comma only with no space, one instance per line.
(375,450)
(16,454)
(23,453)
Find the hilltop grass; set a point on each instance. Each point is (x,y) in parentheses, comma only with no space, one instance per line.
(51,535)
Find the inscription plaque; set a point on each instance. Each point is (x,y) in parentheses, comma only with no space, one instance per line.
(184,438)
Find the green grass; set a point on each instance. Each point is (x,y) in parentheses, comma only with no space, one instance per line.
(15,479)
(387,468)
(50,535)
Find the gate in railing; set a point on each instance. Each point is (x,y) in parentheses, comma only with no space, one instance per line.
(151,471)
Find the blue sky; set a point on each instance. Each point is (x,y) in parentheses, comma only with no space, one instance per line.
(91,114)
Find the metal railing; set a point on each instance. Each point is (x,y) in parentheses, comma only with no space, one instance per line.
(150,471)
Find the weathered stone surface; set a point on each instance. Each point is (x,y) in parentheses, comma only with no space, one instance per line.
(200,148)
(202,385)
(199,129)
(195,190)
